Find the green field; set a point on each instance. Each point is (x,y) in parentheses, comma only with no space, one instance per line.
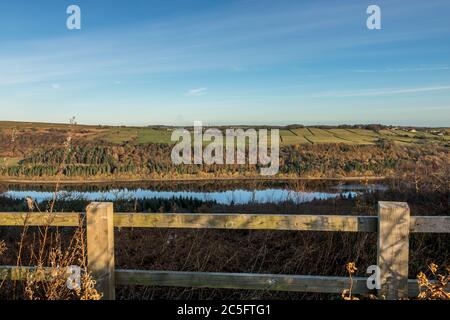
(7,162)
(358,136)
(305,135)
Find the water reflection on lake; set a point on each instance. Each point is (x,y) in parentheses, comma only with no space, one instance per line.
(238,196)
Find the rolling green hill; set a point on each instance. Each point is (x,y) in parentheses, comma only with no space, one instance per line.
(356,135)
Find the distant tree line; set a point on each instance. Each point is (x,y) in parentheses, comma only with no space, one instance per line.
(91,160)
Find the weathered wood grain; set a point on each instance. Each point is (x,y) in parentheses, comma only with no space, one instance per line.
(393,249)
(100,246)
(430,224)
(56,219)
(21,273)
(249,281)
(419,224)
(247,221)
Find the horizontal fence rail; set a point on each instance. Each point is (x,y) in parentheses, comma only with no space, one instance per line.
(222,280)
(336,223)
(19,219)
(393,226)
(248,222)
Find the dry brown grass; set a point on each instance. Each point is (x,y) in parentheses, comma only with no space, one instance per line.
(3,247)
(347,293)
(437,289)
(49,280)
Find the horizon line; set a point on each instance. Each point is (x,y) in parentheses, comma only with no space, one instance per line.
(222,125)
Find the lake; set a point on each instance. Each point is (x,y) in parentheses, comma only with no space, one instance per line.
(221,194)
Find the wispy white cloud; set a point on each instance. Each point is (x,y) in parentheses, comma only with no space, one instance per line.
(405,69)
(197,92)
(381,92)
(55,86)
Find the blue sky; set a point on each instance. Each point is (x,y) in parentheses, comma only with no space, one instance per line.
(225,62)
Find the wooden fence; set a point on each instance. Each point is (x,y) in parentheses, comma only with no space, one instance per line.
(393,225)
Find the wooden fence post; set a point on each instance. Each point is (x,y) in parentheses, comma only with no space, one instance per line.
(100,247)
(393,249)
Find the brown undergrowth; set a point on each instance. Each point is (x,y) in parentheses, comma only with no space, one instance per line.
(433,286)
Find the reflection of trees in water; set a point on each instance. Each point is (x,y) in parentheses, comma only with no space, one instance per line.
(193,186)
